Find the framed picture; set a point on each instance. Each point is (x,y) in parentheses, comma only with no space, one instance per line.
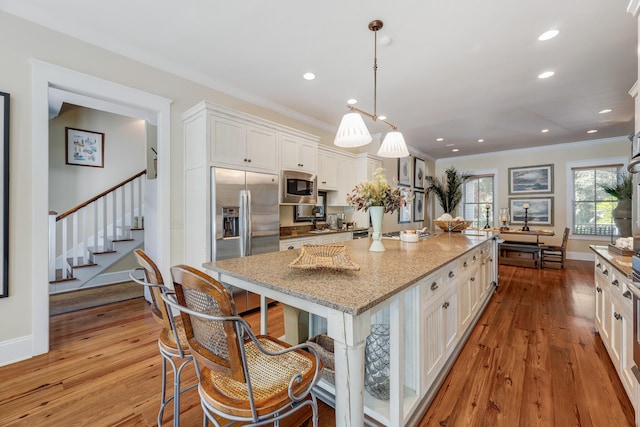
(531,179)
(404,171)
(419,172)
(84,148)
(404,214)
(539,212)
(4,164)
(418,206)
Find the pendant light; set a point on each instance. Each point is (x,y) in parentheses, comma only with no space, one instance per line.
(354,133)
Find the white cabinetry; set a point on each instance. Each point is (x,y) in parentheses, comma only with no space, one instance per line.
(327,169)
(237,144)
(298,154)
(365,165)
(614,320)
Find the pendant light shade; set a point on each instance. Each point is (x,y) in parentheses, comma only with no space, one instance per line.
(352,132)
(393,145)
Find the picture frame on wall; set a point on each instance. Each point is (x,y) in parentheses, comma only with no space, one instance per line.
(531,180)
(404,213)
(84,148)
(540,211)
(4,197)
(404,171)
(418,206)
(419,172)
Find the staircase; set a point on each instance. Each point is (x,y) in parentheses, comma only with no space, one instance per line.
(88,239)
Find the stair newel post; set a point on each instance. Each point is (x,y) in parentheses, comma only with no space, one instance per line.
(123,194)
(65,247)
(105,223)
(52,245)
(114,219)
(96,222)
(85,233)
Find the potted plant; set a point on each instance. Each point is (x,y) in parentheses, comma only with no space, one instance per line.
(449,190)
(623,192)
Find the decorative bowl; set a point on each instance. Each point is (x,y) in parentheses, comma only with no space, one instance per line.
(455,225)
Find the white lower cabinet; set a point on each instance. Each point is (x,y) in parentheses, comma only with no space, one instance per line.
(297,242)
(614,321)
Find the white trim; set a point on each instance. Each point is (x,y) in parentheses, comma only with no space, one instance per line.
(524,151)
(569,198)
(108,279)
(44,76)
(580,256)
(496,192)
(15,350)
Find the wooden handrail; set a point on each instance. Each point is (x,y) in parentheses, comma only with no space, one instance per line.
(104,193)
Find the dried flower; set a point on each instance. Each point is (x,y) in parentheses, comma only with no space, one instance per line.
(376,192)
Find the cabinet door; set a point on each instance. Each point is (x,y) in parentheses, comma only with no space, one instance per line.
(599,306)
(228,147)
(616,334)
(464,301)
(346,182)
(433,349)
(308,156)
(327,171)
(262,149)
(289,153)
(626,357)
(372,166)
(298,154)
(450,314)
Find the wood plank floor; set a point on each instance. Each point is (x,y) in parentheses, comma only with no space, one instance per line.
(532,360)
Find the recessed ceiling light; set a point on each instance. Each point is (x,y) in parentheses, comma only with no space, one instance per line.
(546,74)
(439,139)
(450,145)
(548,35)
(592,131)
(455,150)
(605,111)
(309,76)
(481,140)
(352,101)
(382,117)
(544,130)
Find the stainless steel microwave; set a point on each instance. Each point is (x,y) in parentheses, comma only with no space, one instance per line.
(299,187)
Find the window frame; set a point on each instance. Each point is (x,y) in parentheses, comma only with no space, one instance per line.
(483,173)
(591,163)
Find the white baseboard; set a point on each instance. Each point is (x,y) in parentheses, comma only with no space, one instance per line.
(15,350)
(108,279)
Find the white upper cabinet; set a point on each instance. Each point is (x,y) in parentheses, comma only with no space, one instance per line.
(298,154)
(327,170)
(262,148)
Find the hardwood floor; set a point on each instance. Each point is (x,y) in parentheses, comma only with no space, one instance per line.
(532,360)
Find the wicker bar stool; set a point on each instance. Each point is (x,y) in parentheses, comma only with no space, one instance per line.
(172,341)
(256,380)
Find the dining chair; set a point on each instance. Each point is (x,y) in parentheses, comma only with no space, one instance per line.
(245,378)
(172,341)
(555,255)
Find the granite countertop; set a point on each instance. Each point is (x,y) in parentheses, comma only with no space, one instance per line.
(381,274)
(620,262)
(307,233)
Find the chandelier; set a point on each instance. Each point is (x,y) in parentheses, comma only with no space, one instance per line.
(354,133)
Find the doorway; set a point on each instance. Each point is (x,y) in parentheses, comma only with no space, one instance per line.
(92,92)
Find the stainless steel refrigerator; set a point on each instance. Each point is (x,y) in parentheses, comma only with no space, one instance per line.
(246,220)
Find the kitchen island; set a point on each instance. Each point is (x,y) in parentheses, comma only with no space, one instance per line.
(430,293)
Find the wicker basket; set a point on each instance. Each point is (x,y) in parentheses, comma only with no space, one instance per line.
(324,345)
(455,225)
(332,257)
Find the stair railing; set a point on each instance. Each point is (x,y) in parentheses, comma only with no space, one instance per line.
(93,226)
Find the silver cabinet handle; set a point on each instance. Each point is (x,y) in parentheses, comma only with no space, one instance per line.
(475,257)
(434,286)
(627,294)
(618,316)
(290,247)
(598,289)
(465,264)
(598,265)
(473,279)
(615,282)
(605,272)
(445,305)
(451,274)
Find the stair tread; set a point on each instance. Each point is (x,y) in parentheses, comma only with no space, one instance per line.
(123,240)
(103,252)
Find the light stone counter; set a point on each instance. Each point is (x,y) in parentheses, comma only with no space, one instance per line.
(621,263)
(381,274)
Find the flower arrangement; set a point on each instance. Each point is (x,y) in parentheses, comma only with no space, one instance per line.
(376,192)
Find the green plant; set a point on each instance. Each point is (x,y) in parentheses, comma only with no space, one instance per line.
(623,190)
(449,190)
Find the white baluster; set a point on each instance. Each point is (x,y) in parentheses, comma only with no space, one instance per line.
(105,223)
(96,222)
(52,246)
(85,232)
(65,237)
(122,212)
(74,242)
(140,213)
(114,219)
(132,205)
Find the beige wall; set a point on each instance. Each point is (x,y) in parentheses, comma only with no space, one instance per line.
(556,155)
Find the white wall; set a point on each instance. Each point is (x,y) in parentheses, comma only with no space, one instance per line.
(124,156)
(557,155)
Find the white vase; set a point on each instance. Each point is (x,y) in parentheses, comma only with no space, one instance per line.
(376,212)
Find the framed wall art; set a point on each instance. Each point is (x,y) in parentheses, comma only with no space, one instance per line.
(531,179)
(539,212)
(404,214)
(418,206)
(4,164)
(84,148)
(404,171)
(419,172)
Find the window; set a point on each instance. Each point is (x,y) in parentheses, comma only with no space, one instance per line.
(477,194)
(592,206)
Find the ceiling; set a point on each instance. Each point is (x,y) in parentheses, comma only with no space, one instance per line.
(462,71)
